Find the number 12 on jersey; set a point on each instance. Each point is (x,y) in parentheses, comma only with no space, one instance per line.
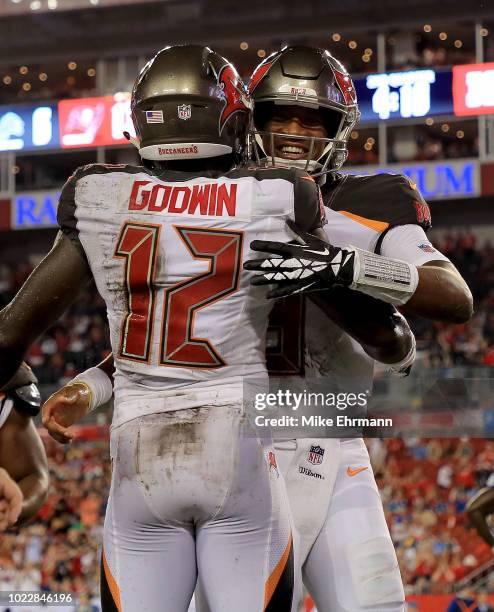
(138,244)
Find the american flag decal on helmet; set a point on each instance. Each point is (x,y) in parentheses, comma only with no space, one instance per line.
(154,116)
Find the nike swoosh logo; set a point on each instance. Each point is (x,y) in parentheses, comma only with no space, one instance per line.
(351,472)
(322,253)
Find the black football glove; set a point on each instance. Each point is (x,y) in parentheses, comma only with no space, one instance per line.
(310,266)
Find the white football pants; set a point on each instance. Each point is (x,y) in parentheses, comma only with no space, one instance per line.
(195,492)
(351,565)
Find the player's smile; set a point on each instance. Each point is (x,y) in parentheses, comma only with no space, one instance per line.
(290,149)
(296,121)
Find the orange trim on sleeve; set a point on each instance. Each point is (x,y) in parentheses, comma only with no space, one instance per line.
(379,226)
(308,178)
(112,585)
(273,580)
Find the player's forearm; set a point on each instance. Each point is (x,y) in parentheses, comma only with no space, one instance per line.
(441,295)
(12,351)
(35,489)
(378,327)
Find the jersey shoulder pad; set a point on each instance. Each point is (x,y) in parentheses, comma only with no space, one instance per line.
(68,189)
(390,198)
(90,169)
(308,204)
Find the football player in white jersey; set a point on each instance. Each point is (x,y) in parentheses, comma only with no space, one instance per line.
(23,463)
(65,408)
(305,110)
(195,490)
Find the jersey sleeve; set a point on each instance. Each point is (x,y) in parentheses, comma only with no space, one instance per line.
(410,243)
(404,196)
(309,208)
(390,199)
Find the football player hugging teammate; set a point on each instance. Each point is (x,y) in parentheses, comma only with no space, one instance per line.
(197,347)
(179,313)
(193,489)
(305,108)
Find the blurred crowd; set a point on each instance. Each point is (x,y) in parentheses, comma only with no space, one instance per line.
(425,485)
(432,56)
(442,345)
(430,148)
(79,339)
(421,145)
(60,550)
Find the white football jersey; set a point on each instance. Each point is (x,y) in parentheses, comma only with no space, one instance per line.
(322,348)
(166,251)
(329,350)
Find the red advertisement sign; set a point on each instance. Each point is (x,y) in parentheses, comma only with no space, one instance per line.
(94,122)
(473,89)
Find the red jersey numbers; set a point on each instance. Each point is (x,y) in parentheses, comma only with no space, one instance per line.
(223,250)
(138,244)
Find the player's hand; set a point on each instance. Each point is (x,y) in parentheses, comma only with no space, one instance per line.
(11,499)
(64,408)
(309,265)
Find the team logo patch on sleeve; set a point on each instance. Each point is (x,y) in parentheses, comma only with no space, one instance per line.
(316,455)
(427,247)
(155,116)
(423,212)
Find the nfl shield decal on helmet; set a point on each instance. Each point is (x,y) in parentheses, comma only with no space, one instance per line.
(316,455)
(184,111)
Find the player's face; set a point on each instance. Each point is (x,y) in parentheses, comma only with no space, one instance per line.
(296,121)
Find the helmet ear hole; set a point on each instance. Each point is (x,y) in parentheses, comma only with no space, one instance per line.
(262,114)
(332,121)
